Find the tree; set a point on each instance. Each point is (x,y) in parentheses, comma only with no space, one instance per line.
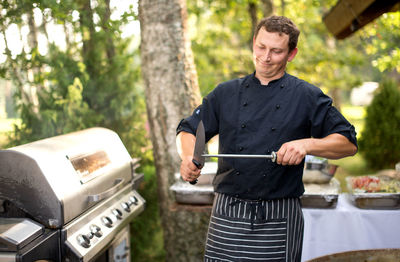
(94,81)
(382,45)
(380,140)
(172,92)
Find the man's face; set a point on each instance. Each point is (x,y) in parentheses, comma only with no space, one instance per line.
(270,54)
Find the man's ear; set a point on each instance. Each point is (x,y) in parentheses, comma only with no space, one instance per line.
(292,54)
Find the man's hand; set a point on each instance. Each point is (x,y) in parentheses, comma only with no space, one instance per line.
(189,171)
(292,153)
(333,146)
(185,146)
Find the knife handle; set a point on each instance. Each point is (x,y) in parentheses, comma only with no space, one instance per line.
(198,165)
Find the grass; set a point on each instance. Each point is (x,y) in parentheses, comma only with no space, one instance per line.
(6,126)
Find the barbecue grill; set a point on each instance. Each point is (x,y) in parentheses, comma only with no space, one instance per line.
(68,198)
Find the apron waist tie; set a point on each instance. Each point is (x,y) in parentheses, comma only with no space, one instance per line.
(255,208)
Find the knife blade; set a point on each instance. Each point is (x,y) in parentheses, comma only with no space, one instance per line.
(199,147)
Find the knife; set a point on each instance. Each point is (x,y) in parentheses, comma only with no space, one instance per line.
(199,156)
(199,146)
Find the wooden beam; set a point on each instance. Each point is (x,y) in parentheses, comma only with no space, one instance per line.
(347,16)
(343,13)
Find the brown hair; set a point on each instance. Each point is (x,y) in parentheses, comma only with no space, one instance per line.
(280,24)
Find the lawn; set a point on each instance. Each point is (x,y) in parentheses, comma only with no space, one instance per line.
(6,126)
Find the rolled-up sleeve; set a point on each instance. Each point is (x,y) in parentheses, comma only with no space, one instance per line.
(207,112)
(326,120)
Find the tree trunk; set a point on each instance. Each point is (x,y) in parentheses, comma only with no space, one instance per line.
(268,7)
(110,49)
(171,92)
(35,70)
(252,8)
(87,29)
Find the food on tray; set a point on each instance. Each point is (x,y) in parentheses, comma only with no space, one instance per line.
(323,189)
(374,184)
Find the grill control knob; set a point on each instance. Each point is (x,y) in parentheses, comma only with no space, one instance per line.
(117,213)
(83,241)
(134,200)
(96,230)
(107,221)
(125,206)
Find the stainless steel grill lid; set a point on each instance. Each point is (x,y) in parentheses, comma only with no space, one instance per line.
(56,179)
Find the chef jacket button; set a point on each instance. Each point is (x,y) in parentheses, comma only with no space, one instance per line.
(245,104)
(282,86)
(237,173)
(243,125)
(247,85)
(241,148)
(278,106)
(273,128)
(237,195)
(265,175)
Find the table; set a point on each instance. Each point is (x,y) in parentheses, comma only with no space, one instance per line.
(347,228)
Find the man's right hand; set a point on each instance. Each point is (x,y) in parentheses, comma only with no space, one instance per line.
(185,145)
(189,171)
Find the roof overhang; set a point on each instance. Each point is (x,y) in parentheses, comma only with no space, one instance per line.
(347,16)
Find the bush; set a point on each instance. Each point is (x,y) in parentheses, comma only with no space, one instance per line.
(380,139)
(147,240)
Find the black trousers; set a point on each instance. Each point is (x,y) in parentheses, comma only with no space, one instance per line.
(246,230)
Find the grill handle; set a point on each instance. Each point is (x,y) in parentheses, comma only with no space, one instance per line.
(119,183)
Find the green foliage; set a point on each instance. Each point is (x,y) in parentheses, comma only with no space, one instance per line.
(382,42)
(221,42)
(95,81)
(61,106)
(380,140)
(147,241)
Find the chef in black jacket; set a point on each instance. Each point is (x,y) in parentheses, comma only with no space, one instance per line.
(256,213)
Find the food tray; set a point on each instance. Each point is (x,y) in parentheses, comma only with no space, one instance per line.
(373,200)
(321,195)
(186,193)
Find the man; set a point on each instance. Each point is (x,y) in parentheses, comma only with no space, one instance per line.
(256,213)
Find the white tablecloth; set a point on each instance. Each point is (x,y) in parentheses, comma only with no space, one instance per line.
(347,228)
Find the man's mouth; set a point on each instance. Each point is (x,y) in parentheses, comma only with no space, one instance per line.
(266,64)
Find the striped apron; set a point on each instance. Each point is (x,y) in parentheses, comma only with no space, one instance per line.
(248,230)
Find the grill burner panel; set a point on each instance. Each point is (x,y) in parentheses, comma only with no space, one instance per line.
(89,234)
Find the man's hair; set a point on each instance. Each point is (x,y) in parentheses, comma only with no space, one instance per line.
(280,24)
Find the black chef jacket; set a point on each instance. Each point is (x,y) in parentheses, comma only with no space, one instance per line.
(252,118)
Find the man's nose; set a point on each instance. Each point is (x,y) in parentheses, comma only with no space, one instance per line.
(267,55)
